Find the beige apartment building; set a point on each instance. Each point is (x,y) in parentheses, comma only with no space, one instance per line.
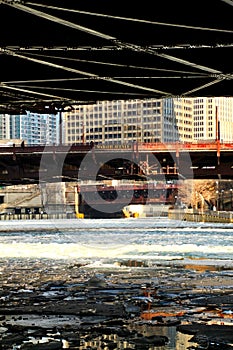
(121,121)
(127,121)
(224,107)
(182,111)
(208,118)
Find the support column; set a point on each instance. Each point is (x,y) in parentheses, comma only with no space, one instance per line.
(60,128)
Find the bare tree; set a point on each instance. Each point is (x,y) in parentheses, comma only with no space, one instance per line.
(198,194)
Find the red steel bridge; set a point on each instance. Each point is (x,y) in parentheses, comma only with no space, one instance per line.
(23,164)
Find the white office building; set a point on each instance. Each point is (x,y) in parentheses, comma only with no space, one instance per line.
(121,121)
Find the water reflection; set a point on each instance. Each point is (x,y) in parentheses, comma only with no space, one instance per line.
(175,340)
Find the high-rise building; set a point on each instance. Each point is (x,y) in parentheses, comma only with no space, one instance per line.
(204,119)
(211,118)
(4,126)
(121,121)
(181,112)
(224,118)
(126,121)
(33,128)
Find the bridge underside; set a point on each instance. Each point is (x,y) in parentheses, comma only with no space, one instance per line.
(62,53)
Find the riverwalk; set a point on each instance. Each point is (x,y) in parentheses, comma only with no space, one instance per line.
(201,216)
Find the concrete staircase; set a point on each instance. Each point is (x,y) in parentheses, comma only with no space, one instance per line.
(19,201)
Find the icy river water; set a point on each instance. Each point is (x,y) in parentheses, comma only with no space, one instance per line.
(107,243)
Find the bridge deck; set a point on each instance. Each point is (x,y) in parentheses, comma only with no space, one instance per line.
(157,160)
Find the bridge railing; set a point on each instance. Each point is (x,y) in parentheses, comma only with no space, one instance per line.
(184,146)
(134,146)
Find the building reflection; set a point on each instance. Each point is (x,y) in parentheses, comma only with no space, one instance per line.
(176,340)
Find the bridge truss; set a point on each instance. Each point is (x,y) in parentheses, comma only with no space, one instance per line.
(56,55)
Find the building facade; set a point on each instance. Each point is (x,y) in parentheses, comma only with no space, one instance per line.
(182,109)
(224,118)
(4,127)
(202,118)
(33,128)
(126,121)
(120,122)
(208,118)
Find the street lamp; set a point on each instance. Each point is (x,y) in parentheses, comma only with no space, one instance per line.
(217,200)
(222,199)
(231,198)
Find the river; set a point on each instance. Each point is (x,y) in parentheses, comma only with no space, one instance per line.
(108,240)
(108,243)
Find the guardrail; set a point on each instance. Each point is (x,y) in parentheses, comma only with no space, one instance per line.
(201,216)
(134,146)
